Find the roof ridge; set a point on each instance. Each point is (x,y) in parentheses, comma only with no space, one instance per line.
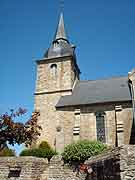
(113,77)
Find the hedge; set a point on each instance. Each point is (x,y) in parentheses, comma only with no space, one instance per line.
(44,150)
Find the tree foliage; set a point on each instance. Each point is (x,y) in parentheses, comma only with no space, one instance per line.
(12,132)
(82,150)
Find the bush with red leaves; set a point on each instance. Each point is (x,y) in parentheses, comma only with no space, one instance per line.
(15,132)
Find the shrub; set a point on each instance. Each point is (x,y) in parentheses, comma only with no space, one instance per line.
(44,145)
(44,150)
(38,152)
(7,152)
(82,150)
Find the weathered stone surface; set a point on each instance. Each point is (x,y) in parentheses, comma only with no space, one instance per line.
(51,84)
(31,168)
(36,169)
(116,164)
(51,118)
(127,162)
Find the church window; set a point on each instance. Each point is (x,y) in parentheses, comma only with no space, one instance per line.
(100,126)
(53,68)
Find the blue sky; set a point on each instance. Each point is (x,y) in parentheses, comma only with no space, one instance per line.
(102,30)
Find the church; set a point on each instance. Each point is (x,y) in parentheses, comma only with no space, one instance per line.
(72,109)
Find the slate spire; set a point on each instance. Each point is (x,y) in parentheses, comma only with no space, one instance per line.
(60,45)
(60,31)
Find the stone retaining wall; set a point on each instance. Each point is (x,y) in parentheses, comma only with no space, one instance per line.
(30,168)
(117,164)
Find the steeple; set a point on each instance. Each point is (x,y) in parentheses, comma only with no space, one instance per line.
(60,45)
(60,31)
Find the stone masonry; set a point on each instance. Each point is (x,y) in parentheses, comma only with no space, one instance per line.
(116,164)
(58,123)
(49,89)
(27,168)
(88,122)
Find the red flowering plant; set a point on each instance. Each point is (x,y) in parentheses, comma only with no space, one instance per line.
(12,132)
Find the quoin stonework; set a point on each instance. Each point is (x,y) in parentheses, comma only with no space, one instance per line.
(71,109)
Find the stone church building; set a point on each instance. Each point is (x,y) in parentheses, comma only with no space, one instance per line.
(71,109)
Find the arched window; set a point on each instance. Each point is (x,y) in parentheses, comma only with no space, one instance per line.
(100,126)
(53,68)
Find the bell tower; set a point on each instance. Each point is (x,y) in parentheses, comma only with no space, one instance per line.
(57,73)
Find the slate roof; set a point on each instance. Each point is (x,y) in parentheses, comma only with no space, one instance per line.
(60,31)
(98,91)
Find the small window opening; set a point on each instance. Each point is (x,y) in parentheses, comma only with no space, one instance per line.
(14,172)
(53,69)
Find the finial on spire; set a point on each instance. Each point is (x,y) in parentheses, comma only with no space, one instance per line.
(61,5)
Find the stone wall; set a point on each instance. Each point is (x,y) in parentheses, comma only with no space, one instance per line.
(51,84)
(26,168)
(61,79)
(105,166)
(118,122)
(127,162)
(58,171)
(32,168)
(116,164)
